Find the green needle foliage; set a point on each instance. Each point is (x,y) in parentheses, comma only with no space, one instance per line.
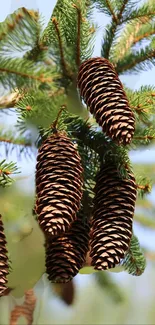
(6,170)
(40,65)
(134,261)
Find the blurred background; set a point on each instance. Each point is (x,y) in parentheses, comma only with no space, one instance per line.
(123,299)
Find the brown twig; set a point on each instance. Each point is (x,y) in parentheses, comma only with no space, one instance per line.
(13,141)
(26,75)
(114,17)
(140,37)
(63,62)
(78,61)
(145,188)
(137,61)
(145,137)
(54,124)
(26,310)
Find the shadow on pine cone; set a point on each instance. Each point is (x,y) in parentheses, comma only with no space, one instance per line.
(66,254)
(103,93)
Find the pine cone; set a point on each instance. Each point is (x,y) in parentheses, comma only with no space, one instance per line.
(3,260)
(58,184)
(114,205)
(103,93)
(65,255)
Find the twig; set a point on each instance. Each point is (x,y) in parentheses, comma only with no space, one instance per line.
(145,137)
(54,124)
(16,142)
(78,61)
(22,74)
(63,62)
(140,37)
(145,187)
(135,61)
(114,17)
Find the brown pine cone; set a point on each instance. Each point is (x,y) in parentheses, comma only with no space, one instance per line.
(58,184)
(103,93)
(66,254)
(114,205)
(4,267)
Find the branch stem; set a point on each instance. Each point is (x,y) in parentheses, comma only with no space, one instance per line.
(78,61)
(26,75)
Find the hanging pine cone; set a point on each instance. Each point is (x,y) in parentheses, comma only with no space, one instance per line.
(65,255)
(103,93)
(114,205)
(3,260)
(58,184)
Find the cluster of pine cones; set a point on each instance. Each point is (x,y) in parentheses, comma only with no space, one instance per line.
(69,236)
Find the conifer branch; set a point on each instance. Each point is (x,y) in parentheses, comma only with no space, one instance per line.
(134,261)
(15,141)
(7,169)
(143,189)
(145,137)
(114,17)
(40,78)
(78,52)
(133,61)
(111,31)
(63,62)
(11,25)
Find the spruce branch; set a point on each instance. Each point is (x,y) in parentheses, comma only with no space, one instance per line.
(143,186)
(78,59)
(109,6)
(138,61)
(7,169)
(112,29)
(22,145)
(132,34)
(40,78)
(63,62)
(134,261)
(20,31)
(146,10)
